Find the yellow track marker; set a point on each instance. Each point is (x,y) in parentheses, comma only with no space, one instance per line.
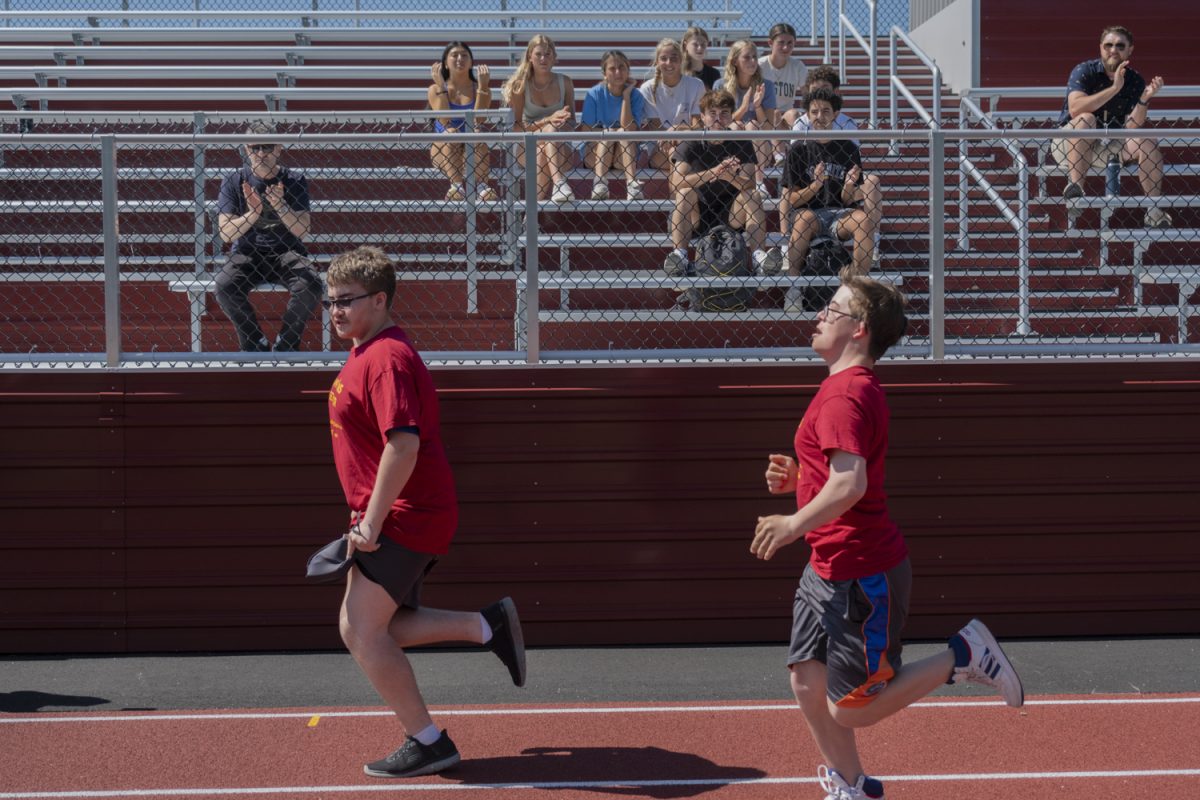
(312,723)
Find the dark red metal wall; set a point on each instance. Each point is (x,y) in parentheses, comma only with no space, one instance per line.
(174,511)
(1035,43)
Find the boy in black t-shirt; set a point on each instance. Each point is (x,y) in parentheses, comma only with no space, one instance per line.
(823,184)
(713,183)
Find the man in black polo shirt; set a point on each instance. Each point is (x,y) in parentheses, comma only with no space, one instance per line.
(264,210)
(1106,92)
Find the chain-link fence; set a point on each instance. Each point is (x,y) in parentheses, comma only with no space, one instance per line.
(112,251)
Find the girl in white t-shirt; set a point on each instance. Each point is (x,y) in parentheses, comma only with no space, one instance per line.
(672,99)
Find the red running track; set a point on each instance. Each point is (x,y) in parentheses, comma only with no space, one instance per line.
(1065,748)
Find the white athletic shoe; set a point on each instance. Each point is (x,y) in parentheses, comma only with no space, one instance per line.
(600,190)
(675,265)
(989,666)
(837,788)
(563,193)
(634,191)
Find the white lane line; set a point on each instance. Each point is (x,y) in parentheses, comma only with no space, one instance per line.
(503,712)
(631,784)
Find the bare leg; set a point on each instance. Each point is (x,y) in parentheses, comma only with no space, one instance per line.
(1079,156)
(872,195)
(835,741)
(912,683)
(448,157)
(803,230)
(855,225)
(748,214)
(684,217)
(1150,164)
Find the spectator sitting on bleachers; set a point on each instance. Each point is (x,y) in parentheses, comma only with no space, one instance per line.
(613,104)
(264,211)
(714,185)
(826,77)
(1106,92)
(543,100)
(672,100)
(823,183)
(695,47)
(787,74)
(455,87)
(755,98)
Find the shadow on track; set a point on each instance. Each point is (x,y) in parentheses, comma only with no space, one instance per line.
(630,771)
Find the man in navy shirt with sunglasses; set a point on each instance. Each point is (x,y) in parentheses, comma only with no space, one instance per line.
(264,210)
(1107,93)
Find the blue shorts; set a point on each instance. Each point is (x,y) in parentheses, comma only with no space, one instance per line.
(853,627)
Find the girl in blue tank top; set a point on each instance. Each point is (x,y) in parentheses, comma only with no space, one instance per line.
(456,86)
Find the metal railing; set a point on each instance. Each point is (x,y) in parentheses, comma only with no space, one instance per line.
(870,46)
(625,324)
(896,84)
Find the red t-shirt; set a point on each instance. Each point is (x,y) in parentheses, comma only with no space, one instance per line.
(849,413)
(383,386)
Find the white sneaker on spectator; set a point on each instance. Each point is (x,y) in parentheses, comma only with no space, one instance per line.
(487,194)
(768,262)
(563,193)
(1157,218)
(988,665)
(675,265)
(633,190)
(455,192)
(762,189)
(793,300)
(600,190)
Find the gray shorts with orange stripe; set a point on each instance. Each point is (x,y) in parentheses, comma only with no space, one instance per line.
(853,627)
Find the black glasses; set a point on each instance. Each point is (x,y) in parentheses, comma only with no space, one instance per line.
(827,310)
(343,302)
(262,148)
(1114,45)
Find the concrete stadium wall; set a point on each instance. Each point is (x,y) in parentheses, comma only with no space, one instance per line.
(154,511)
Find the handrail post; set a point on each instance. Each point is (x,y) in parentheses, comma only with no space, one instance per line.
(964,239)
(812,35)
(1024,326)
(198,209)
(532,345)
(893,109)
(874,67)
(471,234)
(827,58)
(937,244)
(112,267)
(841,26)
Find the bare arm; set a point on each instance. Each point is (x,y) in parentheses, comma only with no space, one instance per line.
(846,485)
(396,466)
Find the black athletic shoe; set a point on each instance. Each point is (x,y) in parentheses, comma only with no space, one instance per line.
(507,642)
(414,758)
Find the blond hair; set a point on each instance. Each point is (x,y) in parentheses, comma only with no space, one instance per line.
(664,44)
(735,50)
(516,82)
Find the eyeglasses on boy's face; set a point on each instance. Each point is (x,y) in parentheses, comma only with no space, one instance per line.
(830,310)
(343,302)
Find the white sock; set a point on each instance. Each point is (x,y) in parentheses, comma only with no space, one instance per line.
(681,252)
(487,629)
(428,736)
(759,255)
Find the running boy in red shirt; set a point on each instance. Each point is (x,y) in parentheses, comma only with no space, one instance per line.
(387,447)
(852,600)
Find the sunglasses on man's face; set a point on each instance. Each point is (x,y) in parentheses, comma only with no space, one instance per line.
(262,148)
(1114,45)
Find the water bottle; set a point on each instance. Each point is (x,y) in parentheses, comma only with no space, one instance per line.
(1112,176)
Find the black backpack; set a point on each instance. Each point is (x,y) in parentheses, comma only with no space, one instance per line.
(722,253)
(825,257)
